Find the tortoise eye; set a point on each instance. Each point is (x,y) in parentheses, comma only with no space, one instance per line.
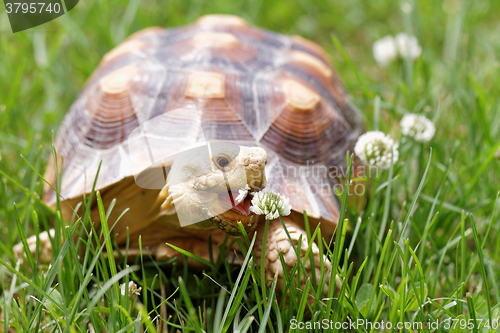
(222,162)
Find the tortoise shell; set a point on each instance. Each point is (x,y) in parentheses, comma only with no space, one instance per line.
(253,87)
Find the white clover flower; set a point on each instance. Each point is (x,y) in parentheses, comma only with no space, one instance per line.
(132,289)
(385,50)
(418,127)
(407,46)
(375,148)
(270,204)
(406,7)
(242,193)
(497,154)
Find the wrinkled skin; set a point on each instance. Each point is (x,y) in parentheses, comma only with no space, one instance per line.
(197,187)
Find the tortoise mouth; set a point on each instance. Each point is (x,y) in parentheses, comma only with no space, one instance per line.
(242,207)
(230,221)
(236,213)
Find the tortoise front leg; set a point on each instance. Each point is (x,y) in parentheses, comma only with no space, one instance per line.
(278,241)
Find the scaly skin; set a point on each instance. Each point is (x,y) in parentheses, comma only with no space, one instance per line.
(194,185)
(278,241)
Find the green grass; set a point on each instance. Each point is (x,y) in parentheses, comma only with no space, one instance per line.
(426,246)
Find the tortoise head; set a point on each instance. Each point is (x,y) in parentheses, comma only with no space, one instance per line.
(204,186)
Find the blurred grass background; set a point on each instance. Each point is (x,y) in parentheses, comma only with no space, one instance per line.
(455,81)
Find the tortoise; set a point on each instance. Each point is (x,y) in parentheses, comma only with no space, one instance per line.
(273,101)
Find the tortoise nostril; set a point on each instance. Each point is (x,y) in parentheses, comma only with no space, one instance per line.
(257,184)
